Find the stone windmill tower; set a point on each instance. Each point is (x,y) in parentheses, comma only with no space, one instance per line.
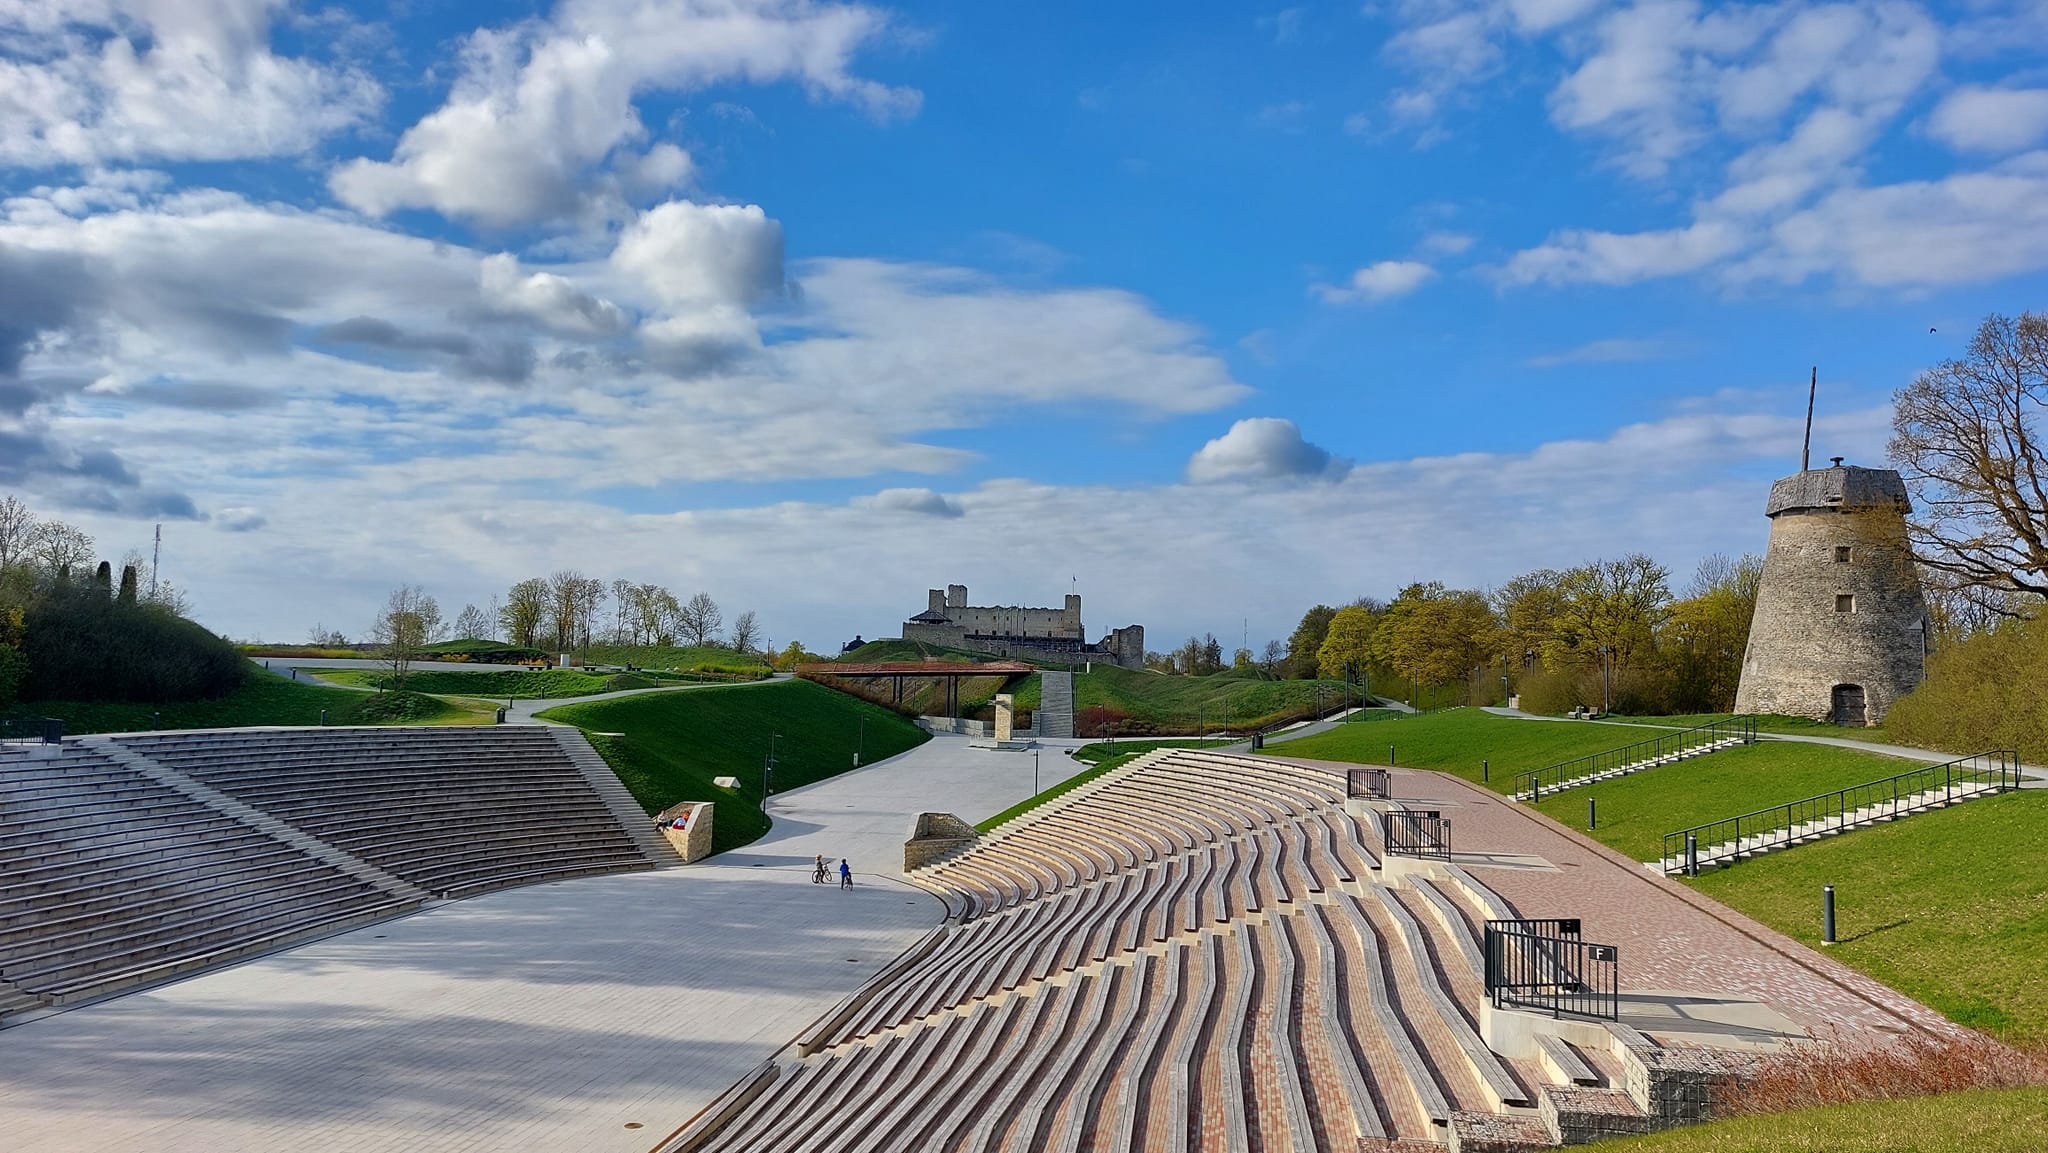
(1840,630)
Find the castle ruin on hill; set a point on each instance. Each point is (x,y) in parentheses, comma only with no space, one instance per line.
(1032,634)
(1840,630)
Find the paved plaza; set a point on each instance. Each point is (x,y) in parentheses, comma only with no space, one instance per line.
(593,1014)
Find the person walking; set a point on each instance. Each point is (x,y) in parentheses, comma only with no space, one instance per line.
(818,870)
(845,874)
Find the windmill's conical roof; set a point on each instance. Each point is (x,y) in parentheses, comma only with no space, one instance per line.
(1840,487)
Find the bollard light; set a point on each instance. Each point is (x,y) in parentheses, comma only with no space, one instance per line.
(1592,817)
(1692,855)
(1827,914)
(1486,770)
(323,718)
(1390,754)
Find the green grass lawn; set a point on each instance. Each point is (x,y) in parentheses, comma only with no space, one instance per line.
(1457,740)
(1637,810)
(1103,750)
(262,700)
(1765,723)
(671,657)
(893,649)
(1979,1121)
(1144,703)
(673,744)
(1948,907)
(522,684)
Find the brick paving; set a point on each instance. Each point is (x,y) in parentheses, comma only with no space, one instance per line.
(1672,938)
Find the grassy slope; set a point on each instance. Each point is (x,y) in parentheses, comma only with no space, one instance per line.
(1981,1121)
(893,649)
(262,700)
(1766,723)
(1179,704)
(1949,907)
(1103,750)
(671,657)
(675,743)
(1637,810)
(535,684)
(1456,740)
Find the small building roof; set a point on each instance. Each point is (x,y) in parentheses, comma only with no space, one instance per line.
(1839,487)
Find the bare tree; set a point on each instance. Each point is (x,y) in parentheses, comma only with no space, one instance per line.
(1275,655)
(17,532)
(700,620)
(472,623)
(624,614)
(58,547)
(402,630)
(1966,436)
(746,632)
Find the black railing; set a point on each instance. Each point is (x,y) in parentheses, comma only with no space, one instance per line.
(1544,965)
(1368,784)
(1566,774)
(1419,833)
(1729,838)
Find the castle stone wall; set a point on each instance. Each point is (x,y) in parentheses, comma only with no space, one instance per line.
(1804,640)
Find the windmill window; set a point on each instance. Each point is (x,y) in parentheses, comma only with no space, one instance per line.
(1845,602)
(1842,554)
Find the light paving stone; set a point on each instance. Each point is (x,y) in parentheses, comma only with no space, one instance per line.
(545,1018)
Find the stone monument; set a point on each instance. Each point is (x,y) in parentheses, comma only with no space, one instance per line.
(1840,630)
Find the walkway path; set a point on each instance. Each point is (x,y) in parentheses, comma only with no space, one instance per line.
(551,1017)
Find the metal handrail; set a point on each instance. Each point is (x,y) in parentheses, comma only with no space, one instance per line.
(1722,839)
(1418,833)
(1543,964)
(1564,773)
(1369,784)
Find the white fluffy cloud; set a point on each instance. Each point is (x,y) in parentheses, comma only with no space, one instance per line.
(1373,283)
(1978,119)
(1264,448)
(92,81)
(542,123)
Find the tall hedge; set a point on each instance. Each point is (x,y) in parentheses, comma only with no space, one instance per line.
(83,644)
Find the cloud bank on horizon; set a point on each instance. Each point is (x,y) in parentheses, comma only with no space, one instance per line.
(766,297)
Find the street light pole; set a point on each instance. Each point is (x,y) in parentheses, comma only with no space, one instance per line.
(860,743)
(1606,678)
(1034,772)
(768,767)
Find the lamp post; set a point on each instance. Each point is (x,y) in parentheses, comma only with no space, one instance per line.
(1606,678)
(1034,772)
(860,742)
(768,767)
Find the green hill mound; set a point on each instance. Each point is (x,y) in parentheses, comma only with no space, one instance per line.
(670,746)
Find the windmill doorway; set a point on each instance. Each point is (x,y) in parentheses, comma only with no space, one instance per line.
(1849,706)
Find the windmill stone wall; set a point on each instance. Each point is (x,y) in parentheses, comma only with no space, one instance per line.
(1840,625)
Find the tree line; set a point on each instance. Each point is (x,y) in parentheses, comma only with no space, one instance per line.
(70,629)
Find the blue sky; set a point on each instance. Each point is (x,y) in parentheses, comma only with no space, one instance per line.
(1223,310)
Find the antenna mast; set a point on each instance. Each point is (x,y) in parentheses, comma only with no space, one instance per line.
(1812,384)
(156,555)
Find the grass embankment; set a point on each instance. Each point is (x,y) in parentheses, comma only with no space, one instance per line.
(524,684)
(1980,1121)
(1457,741)
(1103,750)
(671,745)
(684,658)
(263,699)
(1948,907)
(1093,771)
(892,649)
(1137,702)
(1765,723)
(1637,810)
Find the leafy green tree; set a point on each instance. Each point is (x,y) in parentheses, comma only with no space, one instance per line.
(1347,643)
(526,608)
(1708,631)
(1611,605)
(1306,643)
(1436,636)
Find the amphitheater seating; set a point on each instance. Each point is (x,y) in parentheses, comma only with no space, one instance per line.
(129,860)
(1193,952)
(454,811)
(109,879)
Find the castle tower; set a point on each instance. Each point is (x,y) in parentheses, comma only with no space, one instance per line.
(1840,625)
